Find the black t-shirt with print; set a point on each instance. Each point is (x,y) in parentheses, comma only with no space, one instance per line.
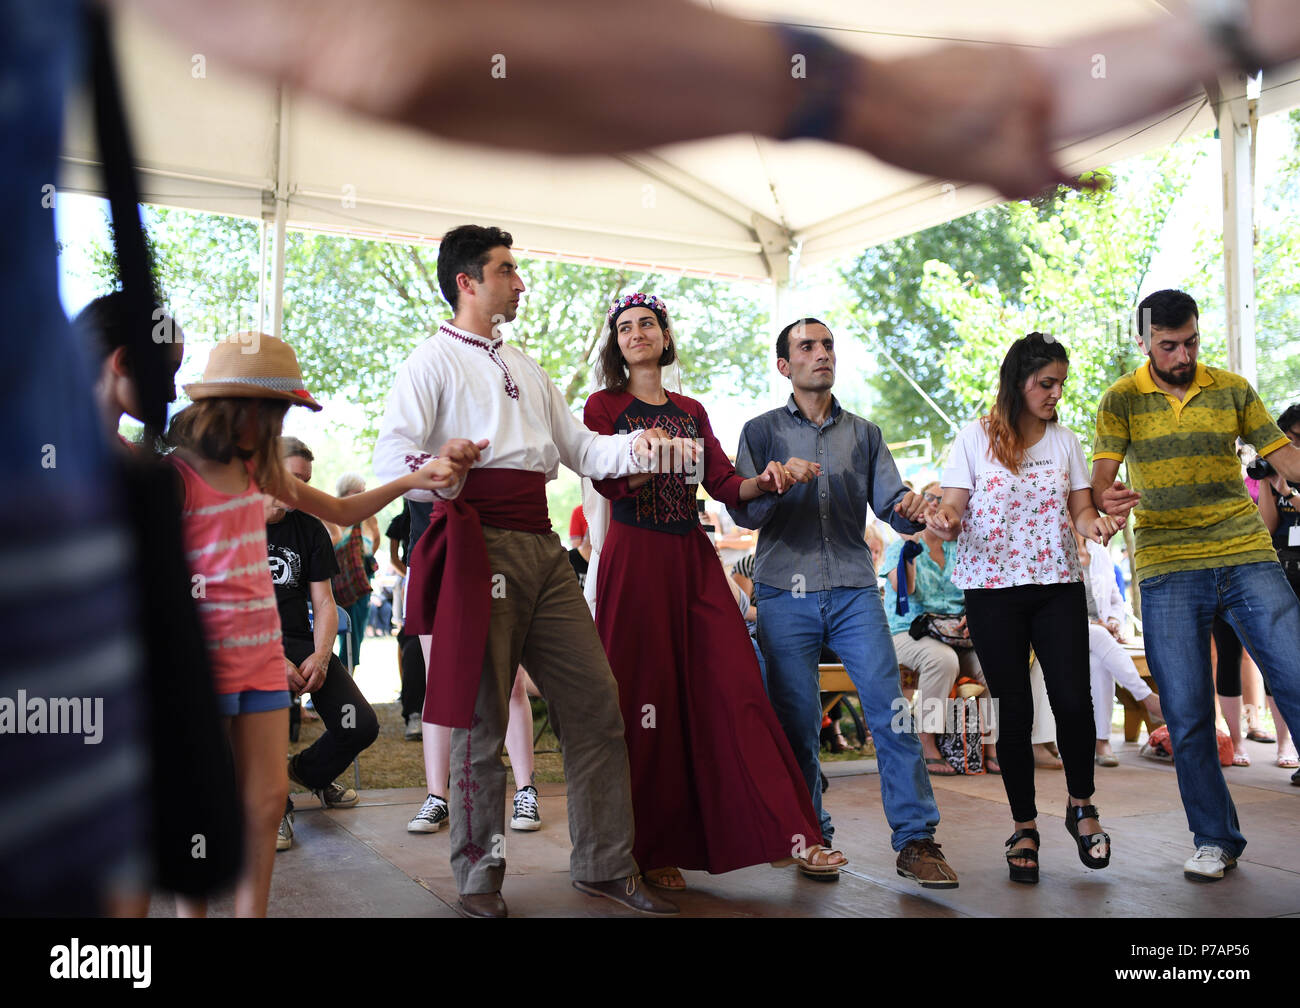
(300,552)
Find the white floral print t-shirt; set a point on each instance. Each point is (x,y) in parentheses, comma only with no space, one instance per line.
(1017,527)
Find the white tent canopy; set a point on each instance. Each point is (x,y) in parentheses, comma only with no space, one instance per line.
(210,139)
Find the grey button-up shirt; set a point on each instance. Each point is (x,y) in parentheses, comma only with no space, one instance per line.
(811,537)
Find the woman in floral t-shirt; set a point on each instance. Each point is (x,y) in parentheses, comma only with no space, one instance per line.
(1015,486)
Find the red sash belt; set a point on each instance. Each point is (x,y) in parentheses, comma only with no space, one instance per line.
(449,593)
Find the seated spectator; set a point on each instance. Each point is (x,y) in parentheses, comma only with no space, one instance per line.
(928,589)
(1108,662)
(302,564)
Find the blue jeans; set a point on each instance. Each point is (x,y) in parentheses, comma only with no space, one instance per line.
(791,632)
(1178,610)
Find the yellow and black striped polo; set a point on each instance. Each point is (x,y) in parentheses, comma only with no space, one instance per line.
(1195,511)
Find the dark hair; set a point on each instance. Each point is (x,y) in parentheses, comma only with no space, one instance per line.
(611,366)
(1027,355)
(1289,418)
(102,326)
(783,337)
(465,249)
(292,447)
(1167,309)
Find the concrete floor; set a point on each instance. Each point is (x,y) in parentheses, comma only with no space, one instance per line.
(361,862)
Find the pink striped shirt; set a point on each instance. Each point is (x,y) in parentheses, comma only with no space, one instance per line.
(225,547)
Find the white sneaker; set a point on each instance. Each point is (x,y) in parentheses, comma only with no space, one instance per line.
(284,839)
(414,727)
(527,816)
(1208,864)
(431,817)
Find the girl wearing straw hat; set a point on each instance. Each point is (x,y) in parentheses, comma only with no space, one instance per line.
(227,455)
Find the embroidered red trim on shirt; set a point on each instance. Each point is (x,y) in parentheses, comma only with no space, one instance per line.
(493,350)
(417,462)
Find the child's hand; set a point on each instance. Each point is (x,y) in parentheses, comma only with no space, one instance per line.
(461,454)
(438,474)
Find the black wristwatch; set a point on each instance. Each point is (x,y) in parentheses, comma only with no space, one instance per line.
(1227,23)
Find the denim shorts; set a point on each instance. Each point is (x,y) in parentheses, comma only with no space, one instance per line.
(251,701)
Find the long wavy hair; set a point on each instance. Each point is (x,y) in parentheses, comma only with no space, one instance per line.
(211,428)
(1027,356)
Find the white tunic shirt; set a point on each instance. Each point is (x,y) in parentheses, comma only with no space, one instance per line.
(458,385)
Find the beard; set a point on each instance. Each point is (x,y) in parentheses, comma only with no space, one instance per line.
(1178,378)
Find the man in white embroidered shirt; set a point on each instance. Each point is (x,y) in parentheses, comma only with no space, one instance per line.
(491,583)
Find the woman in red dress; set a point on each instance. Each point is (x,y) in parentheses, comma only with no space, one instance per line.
(714,784)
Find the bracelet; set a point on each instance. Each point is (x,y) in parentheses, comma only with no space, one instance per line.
(1226,23)
(637,463)
(825,84)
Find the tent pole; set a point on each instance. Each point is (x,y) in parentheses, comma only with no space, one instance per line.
(260,325)
(281,215)
(1238,121)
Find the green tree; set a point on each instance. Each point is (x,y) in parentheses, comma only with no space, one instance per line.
(948,302)
(890,309)
(355,309)
(1277,270)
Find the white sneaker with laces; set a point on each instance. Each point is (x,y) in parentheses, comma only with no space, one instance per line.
(527,815)
(431,817)
(284,839)
(1208,864)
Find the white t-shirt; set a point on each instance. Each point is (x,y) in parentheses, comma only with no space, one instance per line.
(1017,527)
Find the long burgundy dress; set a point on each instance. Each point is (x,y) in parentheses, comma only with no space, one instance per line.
(715,786)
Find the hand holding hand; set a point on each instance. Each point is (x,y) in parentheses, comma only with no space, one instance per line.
(944,519)
(773,478)
(296,682)
(1117,500)
(912,506)
(461,454)
(667,454)
(312,671)
(802,471)
(1100,529)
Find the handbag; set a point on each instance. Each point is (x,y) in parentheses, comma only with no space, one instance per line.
(963,747)
(942,628)
(351,582)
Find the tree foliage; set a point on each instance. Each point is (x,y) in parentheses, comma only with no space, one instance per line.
(355,309)
(946,303)
(1277,270)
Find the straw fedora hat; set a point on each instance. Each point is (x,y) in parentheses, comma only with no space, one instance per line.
(269,371)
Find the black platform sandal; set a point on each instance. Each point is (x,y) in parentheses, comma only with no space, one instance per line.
(1073,813)
(1023,873)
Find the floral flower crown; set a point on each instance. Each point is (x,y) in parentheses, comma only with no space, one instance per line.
(632,300)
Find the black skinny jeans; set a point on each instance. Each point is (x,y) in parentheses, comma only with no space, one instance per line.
(350,722)
(1004,623)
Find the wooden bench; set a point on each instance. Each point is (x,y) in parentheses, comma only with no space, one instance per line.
(836,682)
(1134,713)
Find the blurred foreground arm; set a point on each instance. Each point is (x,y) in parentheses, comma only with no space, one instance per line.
(596,76)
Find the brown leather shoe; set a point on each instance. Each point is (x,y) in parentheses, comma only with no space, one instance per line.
(629,892)
(923,862)
(488,904)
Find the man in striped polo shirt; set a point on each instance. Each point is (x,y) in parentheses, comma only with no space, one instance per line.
(1201,548)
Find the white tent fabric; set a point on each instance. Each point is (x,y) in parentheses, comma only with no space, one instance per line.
(735,207)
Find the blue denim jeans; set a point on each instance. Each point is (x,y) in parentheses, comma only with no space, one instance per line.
(851,621)
(1177,612)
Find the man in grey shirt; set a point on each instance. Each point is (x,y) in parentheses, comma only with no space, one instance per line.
(815,584)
